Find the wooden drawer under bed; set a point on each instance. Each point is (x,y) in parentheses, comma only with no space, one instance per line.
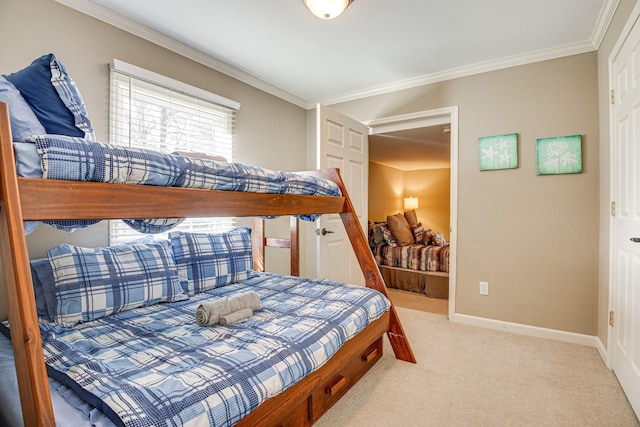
(324,396)
(333,389)
(304,403)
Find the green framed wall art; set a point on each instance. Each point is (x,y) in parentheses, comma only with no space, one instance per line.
(498,152)
(559,155)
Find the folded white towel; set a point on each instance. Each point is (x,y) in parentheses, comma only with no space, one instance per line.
(209,313)
(236,316)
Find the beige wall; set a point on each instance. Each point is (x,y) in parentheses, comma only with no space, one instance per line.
(269,132)
(533,238)
(388,187)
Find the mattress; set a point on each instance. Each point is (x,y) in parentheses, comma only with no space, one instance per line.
(302,324)
(76,159)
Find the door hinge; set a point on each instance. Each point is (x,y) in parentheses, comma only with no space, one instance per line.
(612,97)
(613,208)
(611,318)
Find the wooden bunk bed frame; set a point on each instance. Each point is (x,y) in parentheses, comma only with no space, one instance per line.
(37,199)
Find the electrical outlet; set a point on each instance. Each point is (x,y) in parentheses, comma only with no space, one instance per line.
(484,288)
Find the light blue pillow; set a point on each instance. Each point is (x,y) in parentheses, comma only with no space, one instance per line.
(206,261)
(23,121)
(28,162)
(91,283)
(28,165)
(53,97)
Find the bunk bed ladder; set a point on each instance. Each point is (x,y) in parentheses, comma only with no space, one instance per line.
(373,278)
(35,399)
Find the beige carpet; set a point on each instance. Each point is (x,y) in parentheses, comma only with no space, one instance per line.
(469,376)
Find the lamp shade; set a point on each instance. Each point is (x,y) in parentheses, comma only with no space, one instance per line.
(327,9)
(410,203)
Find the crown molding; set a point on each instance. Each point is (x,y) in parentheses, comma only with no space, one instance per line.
(104,14)
(468,70)
(97,11)
(602,24)
(604,19)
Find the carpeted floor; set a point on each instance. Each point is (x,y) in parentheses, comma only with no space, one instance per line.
(470,376)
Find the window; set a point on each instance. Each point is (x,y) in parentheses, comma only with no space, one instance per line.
(154,112)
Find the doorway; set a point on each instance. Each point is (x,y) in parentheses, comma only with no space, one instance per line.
(439,120)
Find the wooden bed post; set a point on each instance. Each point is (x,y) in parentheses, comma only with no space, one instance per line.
(33,384)
(259,242)
(370,270)
(294,242)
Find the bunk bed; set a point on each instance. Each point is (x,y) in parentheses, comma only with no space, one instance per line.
(33,199)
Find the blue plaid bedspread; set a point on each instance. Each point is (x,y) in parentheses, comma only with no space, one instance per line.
(155,366)
(78,159)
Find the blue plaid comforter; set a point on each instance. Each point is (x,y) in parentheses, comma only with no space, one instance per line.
(156,366)
(78,159)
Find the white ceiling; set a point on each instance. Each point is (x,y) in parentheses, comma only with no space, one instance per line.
(375,46)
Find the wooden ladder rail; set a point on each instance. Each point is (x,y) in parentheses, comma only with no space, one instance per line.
(33,384)
(373,278)
(260,242)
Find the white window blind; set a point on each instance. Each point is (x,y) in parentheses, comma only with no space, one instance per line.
(154,112)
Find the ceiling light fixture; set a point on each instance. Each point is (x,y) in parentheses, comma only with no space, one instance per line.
(327,9)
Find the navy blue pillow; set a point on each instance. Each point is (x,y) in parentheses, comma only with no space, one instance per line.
(53,97)
(44,288)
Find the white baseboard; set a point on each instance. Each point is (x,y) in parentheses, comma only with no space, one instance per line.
(602,350)
(533,331)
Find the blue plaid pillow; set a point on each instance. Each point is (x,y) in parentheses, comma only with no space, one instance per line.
(91,283)
(206,261)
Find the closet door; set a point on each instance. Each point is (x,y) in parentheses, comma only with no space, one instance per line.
(625,224)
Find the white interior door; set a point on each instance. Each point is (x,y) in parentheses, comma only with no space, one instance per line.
(625,349)
(342,143)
